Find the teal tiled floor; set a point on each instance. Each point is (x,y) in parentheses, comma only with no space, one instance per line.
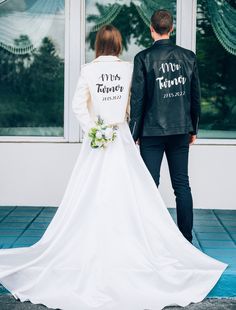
(214,234)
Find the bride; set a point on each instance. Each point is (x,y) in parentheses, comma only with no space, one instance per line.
(112,244)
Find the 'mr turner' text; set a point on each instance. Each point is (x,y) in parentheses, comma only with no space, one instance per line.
(167,83)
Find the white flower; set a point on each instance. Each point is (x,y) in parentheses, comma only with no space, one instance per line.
(108,133)
(98,135)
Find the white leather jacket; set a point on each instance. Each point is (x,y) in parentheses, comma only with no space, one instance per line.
(103,88)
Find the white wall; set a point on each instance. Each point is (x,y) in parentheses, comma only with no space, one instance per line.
(212,171)
(36,174)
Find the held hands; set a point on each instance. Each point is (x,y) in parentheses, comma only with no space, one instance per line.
(192,139)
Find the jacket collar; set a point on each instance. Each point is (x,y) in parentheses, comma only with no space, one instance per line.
(106,58)
(163,42)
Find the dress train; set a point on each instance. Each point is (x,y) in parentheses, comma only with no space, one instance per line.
(112,243)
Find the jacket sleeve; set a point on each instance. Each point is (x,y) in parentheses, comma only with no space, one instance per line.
(195,92)
(80,103)
(137,99)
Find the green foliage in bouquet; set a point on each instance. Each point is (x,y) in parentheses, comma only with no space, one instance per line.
(102,134)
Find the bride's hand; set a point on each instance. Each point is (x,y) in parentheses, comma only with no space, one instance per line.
(137,142)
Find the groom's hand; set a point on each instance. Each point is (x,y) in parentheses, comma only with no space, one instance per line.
(137,142)
(192,139)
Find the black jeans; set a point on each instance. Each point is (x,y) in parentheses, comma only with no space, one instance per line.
(176,148)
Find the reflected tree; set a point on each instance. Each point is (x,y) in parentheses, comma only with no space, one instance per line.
(32,86)
(46,84)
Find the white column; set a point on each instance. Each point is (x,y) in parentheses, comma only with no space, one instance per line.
(186,23)
(75,49)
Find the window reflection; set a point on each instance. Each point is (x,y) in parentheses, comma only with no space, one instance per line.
(32,68)
(217,74)
(131,18)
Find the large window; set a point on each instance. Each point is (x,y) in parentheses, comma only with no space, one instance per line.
(132,18)
(217,66)
(32,67)
(35,105)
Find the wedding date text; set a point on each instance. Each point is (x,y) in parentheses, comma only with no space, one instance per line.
(172,95)
(109,98)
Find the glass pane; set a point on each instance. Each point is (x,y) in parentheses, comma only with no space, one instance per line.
(217,74)
(32,68)
(130,17)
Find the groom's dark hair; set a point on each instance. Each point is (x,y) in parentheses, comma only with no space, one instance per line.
(162,21)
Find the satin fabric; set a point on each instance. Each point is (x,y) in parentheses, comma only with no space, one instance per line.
(112,244)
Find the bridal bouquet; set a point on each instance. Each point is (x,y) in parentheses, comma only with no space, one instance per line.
(102,134)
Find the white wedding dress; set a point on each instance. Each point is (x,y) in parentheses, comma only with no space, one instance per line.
(112,244)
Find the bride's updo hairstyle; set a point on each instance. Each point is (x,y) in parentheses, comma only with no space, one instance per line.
(108,41)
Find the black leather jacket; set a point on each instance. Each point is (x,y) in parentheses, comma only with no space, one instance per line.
(165,91)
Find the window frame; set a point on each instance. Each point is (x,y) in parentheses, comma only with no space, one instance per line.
(75,57)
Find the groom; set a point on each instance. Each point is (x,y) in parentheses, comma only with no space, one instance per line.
(165,109)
